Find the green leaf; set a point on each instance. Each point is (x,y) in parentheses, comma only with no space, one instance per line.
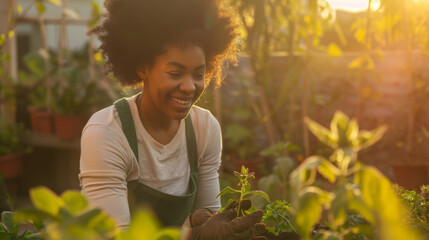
(284,166)
(74,201)
(69,12)
(102,223)
(227,190)
(379,198)
(227,205)
(2,38)
(331,235)
(258,192)
(33,215)
(40,6)
(305,174)
(308,213)
(339,129)
(8,236)
(168,234)
(7,220)
(55,2)
(10,34)
(144,226)
(328,170)
(267,183)
(339,206)
(334,50)
(322,133)
(368,138)
(45,200)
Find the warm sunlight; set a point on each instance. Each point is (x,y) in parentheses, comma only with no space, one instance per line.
(353,5)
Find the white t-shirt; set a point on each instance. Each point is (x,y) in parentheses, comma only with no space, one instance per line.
(107,162)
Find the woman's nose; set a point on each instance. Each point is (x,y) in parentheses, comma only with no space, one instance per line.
(187,84)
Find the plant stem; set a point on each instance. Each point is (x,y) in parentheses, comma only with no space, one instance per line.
(287,220)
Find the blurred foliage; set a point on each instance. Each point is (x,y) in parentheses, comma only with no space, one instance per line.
(350,188)
(69,216)
(278,217)
(10,141)
(277,184)
(418,208)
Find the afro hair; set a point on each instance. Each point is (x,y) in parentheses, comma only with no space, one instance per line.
(134,32)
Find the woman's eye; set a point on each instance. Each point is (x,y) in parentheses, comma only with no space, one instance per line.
(174,74)
(199,76)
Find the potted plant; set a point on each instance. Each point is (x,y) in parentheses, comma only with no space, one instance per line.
(33,81)
(75,96)
(11,149)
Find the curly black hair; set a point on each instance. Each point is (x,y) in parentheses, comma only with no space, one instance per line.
(134,32)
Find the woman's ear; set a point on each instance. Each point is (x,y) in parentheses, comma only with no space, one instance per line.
(141,72)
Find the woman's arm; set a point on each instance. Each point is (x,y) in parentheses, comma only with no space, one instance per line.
(208,177)
(103,172)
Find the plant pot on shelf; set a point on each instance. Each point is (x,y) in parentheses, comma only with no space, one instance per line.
(69,127)
(11,165)
(411,177)
(41,120)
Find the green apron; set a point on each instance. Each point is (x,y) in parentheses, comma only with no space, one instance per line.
(171,210)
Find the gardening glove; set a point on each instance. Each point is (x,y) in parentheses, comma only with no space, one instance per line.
(226,225)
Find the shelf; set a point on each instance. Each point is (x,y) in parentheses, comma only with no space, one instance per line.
(50,141)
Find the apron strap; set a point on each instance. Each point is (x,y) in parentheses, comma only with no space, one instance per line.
(129,130)
(127,122)
(191,144)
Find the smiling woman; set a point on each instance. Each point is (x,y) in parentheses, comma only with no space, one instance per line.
(157,148)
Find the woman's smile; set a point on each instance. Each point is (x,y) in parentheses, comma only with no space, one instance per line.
(173,83)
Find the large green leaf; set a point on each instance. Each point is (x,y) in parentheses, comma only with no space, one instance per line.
(322,133)
(308,213)
(8,222)
(34,215)
(46,200)
(328,170)
(368,138)
(144,226)
(102,223)
(389,214)
(74,201)
(305,174)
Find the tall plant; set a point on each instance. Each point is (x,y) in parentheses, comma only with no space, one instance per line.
(357,200)
(282,25)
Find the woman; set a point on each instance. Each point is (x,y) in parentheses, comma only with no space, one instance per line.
(157,147)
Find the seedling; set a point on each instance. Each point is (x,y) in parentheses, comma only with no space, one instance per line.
(244,190)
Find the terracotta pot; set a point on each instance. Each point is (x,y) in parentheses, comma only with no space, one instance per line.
(257,165)
(69,127)
(11,165)
(411,177)
(41,120)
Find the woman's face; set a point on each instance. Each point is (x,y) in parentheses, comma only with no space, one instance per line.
(174,82)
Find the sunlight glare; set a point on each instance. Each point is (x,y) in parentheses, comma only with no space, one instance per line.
(354,5)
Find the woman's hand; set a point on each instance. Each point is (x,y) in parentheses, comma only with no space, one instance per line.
(226,225)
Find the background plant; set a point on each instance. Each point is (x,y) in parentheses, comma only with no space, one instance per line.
(10,141)
(278,217)
(347,187)
(418,206)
